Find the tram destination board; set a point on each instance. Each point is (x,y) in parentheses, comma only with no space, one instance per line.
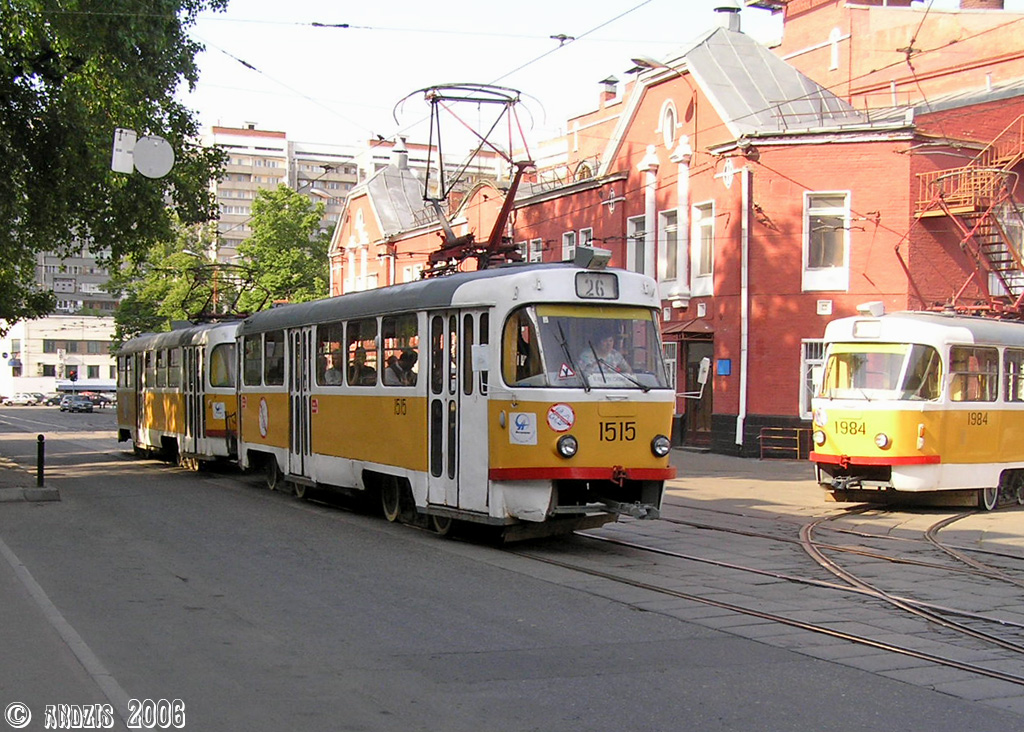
(597,285)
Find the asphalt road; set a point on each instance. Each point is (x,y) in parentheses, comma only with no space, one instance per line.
(257,611)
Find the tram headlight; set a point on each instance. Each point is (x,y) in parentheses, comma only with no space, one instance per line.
(819,437)
(568,446)
(882,441)
(661,446)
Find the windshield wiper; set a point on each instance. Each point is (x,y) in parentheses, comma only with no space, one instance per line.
(623,374)
(568,357)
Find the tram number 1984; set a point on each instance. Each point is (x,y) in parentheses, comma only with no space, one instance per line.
(617,431)
(850,427)
(977,419)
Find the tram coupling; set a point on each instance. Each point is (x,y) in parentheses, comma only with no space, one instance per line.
(636,510)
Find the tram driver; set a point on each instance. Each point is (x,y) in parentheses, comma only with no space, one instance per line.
(600,354)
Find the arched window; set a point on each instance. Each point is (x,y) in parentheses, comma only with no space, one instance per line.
(668,124)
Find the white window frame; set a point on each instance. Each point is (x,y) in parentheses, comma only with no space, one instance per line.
(636,241)
(833,278)
(585,238)
(702,222)
(568,246)
(668,259)
(812,361)
(670,351)
(536,250)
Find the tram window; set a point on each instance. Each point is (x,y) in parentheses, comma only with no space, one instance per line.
(161,367)
(453,433)
(252,360)
(222,365)
(521,349)
(436,437)
(273,358)
(436,354)
(467,355)
(399,342)
(150,368)
(974,374)
(485,321)
(453,354)
(1013,381)
(330,354)
(362,352)
(174,367)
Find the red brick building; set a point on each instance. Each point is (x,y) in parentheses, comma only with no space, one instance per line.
(767,204)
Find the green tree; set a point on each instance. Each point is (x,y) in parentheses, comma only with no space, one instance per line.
(287,251)
(285,259)
(71,71)
(173,281)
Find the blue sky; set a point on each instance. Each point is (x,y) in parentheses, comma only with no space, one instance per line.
(267,62)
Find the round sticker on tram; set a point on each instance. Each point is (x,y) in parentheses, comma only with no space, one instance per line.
(264,417)
(561,417)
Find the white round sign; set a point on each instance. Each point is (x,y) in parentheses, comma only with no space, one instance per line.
(561,417)
(154,156)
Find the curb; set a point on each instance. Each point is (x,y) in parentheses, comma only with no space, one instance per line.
(11,495)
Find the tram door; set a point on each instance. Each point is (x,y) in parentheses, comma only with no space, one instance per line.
(140,395)
(457,412)
(194,407)
(299,401)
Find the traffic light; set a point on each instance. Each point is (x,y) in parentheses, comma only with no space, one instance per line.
(72,374)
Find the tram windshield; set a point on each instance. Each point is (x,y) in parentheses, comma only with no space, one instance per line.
(584,346)
(868,371)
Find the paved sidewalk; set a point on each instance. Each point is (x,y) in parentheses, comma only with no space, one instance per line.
(787,488)
(19,484)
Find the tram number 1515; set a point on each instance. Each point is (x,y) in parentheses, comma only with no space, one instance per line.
(617,431)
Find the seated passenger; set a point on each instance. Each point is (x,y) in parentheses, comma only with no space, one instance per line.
(599,355)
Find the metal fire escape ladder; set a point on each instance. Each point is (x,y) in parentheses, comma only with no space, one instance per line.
(972,198)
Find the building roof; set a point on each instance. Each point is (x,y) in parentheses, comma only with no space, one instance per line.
(396,195)
(756,93)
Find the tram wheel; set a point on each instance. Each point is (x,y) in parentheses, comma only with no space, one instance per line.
(391,498)
(300,490)
(988,497)
(442,525)
(273,474)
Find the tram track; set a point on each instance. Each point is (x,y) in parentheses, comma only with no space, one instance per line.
(815,551)
(816,628)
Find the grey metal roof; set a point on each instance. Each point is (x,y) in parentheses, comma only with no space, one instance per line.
(757,93)
(396,195)
(429,294)
(190,336)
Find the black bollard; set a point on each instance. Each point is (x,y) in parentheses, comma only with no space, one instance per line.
(40,459)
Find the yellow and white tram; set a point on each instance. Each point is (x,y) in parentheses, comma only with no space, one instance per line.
(529,397)
(176,393)
(919,402)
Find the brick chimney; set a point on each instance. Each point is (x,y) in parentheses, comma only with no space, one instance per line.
(609,90)
(981,4)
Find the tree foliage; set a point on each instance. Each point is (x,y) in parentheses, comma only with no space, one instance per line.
(285,259)
(287,249)
(71,72)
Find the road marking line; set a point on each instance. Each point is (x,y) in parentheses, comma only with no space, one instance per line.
(117,696)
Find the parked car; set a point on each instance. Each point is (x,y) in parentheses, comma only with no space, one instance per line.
(52,400)
(76,403)
(97,399)
(23,399)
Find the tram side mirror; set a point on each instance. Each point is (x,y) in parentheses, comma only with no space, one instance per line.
(705,369)
(481,358)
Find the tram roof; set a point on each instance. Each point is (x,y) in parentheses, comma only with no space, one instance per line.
(926,327)
(173,338)
(429,294)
